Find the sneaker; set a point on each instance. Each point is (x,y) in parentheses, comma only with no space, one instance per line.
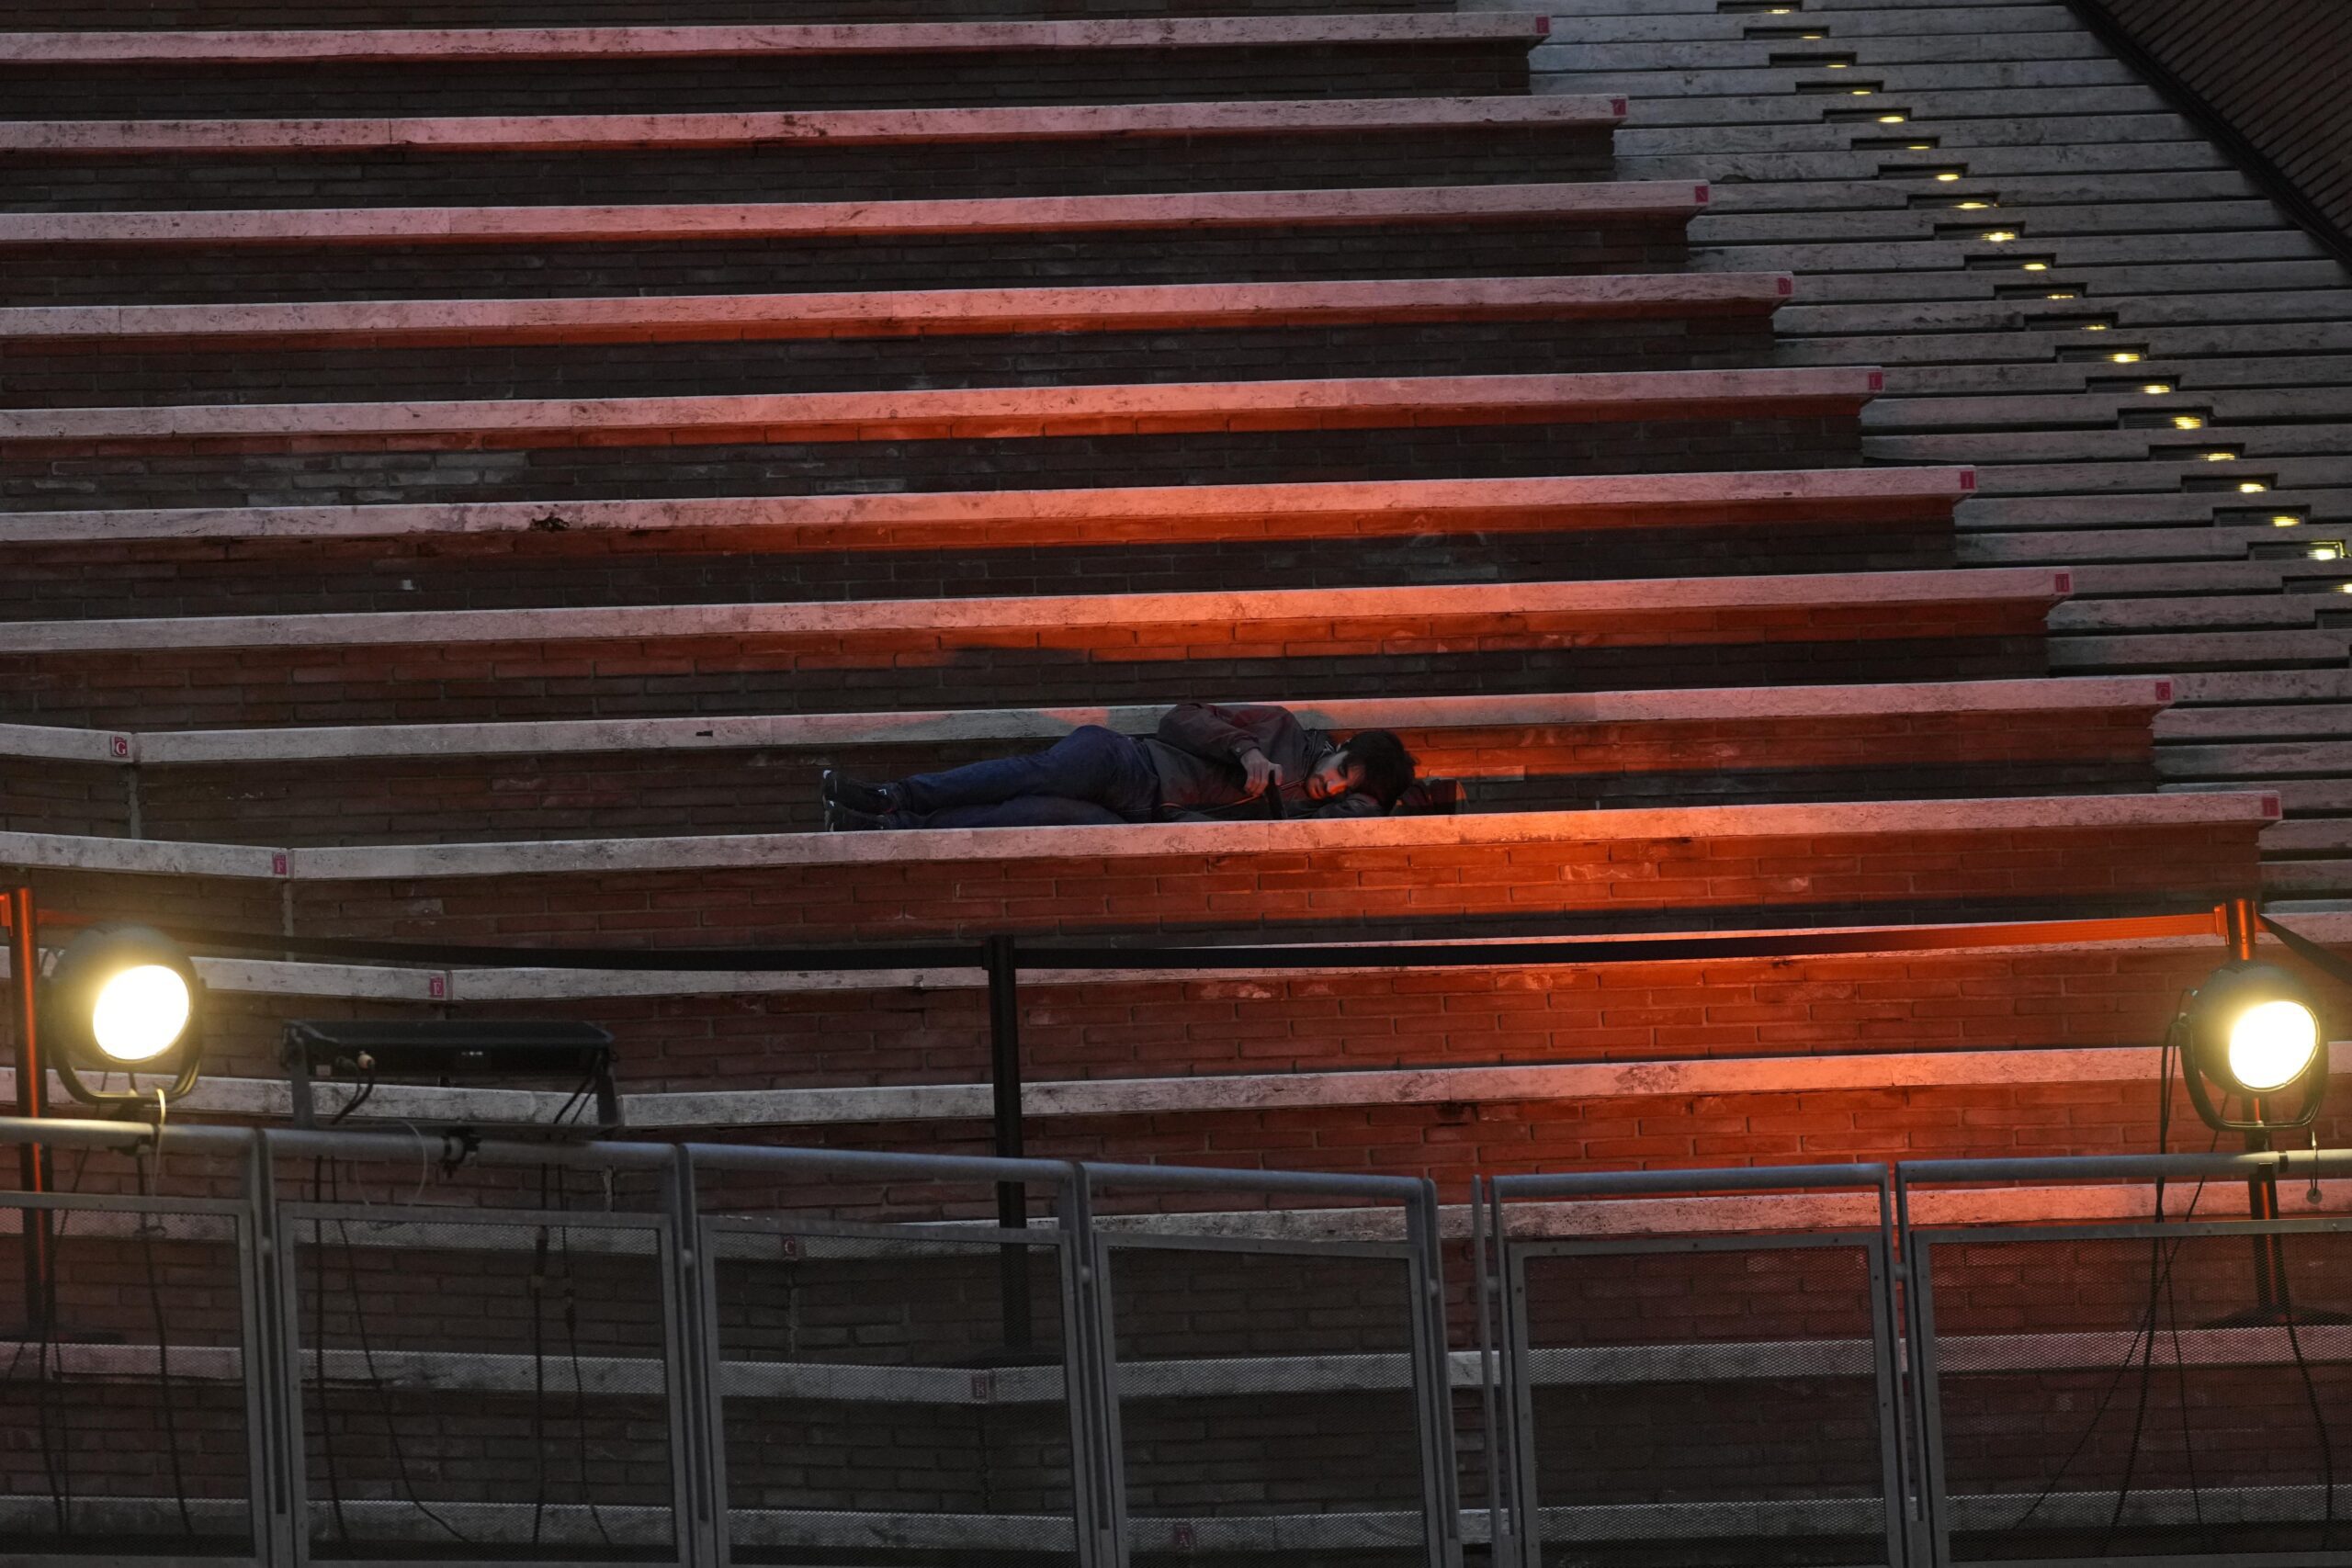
(838,789)
(843,819)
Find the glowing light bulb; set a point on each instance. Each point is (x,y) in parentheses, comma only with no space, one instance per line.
(2325,552)
(2256,487)
(2187,421)
(2126,357)
(1839,64)
(2059,296)
(2000,236)
(1971,206)
(2093,326)
(2285,520)
(1860,91)
(1892,118)
(2157,388)
(1947,177)
(2037,267)
(2271,1043)
(139,1013)
(2221,457)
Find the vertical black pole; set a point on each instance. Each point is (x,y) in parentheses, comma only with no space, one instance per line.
(32,1081)
(1004,1082)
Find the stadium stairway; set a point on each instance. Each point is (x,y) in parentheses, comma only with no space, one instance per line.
(397,546)
(459,482)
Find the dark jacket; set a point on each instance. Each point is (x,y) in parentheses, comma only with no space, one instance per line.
(1198,749)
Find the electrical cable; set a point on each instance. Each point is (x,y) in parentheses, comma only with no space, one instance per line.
(50,1416)
(2147,1318)
(383,1394)
(164,1357)
(539,1366)
(319,1349)
(2159,1273)
(2310,1395)
(367,1092)
(572,1340)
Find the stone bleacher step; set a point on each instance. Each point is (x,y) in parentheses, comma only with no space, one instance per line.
(1568,204)
(240,671)
(936,62)
(1707,607)
(926,313)
(1449,875)
(430,45)
(863,155)
(996,519)
(816,128)
(752,774)
(1175,538)
(515,349)
(1009,412)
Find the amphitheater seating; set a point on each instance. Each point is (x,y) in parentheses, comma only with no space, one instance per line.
(444,558)
(423,783)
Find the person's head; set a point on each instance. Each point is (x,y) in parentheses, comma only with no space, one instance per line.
(1373,760)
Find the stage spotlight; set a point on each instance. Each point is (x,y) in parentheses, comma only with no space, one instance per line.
(122,998)
(2253,1032)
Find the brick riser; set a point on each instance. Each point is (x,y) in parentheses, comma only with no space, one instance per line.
(60,273)
(795,172)
(1166,1026)
(711,85)
(552,569)
(425,800)
(358,470)
(122,372)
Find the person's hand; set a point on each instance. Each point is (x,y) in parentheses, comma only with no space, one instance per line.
(1257,773)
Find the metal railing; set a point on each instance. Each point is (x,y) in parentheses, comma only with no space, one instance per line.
(279,1347)
(702,1360)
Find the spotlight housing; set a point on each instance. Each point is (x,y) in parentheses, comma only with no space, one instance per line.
(123,998)
(2253,1031)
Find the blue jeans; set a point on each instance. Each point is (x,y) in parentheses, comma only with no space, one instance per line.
(1091,777)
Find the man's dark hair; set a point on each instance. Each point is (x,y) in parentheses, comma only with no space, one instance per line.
(1388,766)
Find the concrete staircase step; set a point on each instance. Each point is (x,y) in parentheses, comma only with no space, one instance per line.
(929,414)
(1452,876)
(930,312)
(517,349)
(424,783)
(917,62)
(236,672)
(838,155)
(1628,202)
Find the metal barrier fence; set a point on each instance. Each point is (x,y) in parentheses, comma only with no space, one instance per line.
(284,1348)
(360,1347)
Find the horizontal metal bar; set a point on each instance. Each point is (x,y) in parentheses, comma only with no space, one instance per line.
(2177,1230)
(1743,1179)
(1299,1248)
(1209,1178)
(1357,956)
(861,1162)
(2086,1167)
(1577,1247)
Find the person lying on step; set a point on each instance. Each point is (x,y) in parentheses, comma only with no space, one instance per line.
(1204,764)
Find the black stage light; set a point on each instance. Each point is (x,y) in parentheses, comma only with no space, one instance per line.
(123,998)
(2253,1032)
